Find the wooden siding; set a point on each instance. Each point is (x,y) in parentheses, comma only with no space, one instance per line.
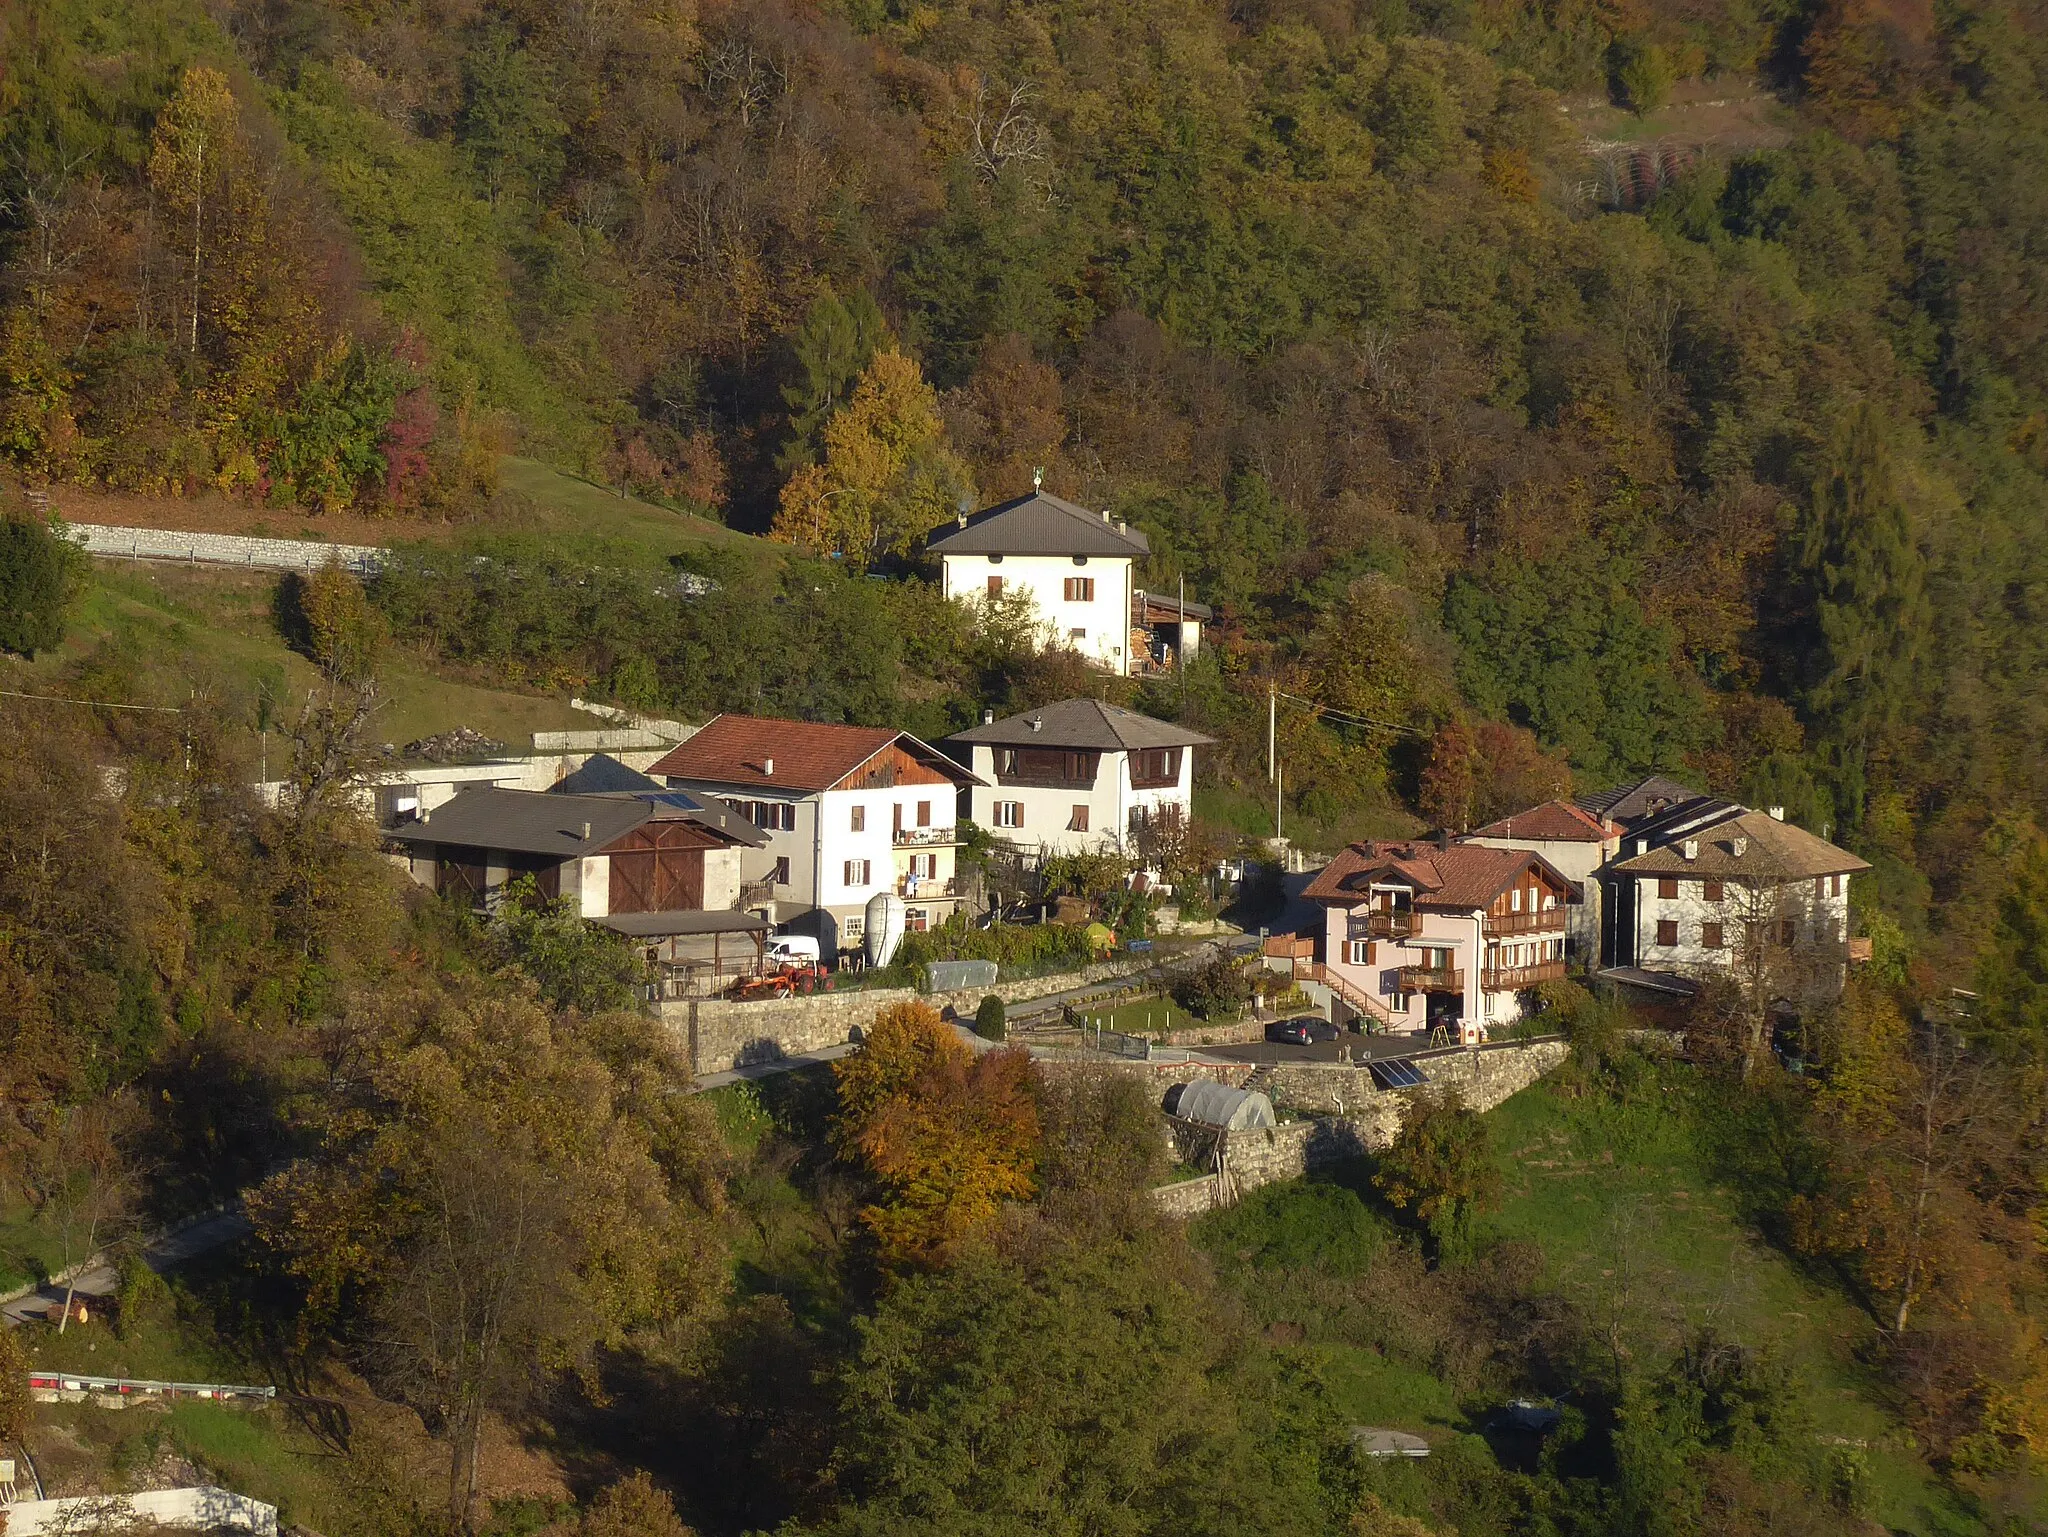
(890,767)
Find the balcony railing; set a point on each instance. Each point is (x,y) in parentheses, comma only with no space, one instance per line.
(756,894)
(1432,979)
(1511,979)
(925,837)
(927,888)
(1549,920)
(1396,923)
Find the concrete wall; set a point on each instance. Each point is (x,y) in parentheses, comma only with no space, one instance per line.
(222,549)
(1360,1118)
(200,1509)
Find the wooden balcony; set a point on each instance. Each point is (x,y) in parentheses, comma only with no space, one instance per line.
(927,888)
(1548,921)
(1432,979)
(1398,923)
(1512,979)
(756,894)
(925,837)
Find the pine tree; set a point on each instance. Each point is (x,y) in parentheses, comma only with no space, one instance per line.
(1867,578)
(833,347)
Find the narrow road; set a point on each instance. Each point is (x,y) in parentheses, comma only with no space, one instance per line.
(98,1276)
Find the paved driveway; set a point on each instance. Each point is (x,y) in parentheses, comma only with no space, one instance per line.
(1360,1047)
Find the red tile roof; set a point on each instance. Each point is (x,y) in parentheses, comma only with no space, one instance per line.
(1551,822)
(1463,876)
(789,754)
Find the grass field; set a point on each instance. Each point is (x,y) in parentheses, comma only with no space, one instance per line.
(1632,1207)
(172,632)
(1142,1016)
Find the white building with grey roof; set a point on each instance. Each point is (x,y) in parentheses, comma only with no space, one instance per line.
(1075,566)
(1079,776)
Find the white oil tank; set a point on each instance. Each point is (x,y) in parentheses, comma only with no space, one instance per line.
(885,927)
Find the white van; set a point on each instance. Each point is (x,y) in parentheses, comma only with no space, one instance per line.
(790,950)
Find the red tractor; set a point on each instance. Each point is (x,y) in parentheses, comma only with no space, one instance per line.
(783,982)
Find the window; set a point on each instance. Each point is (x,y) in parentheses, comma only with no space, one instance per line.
(1079,632)
(775,816)
(1710,936)
(780,874)
(853,930)
(995,587)
(924,813)
(923,867)
(1078,822)
(859,821)
(1788,931)
(857,872)
(1400,1003)
(1080,589)
(1047,766)
(1361,952)
(916,920)
(1667,887)
(1667,931)
(1009,813)
(1710,891)
(1515,900)
(1155,768)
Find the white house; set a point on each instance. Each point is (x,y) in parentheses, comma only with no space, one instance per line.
(1417,934)
(1076,566)
(848,812)
(1077,776)
(1713,888)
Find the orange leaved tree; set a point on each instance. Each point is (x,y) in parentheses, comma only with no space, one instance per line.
(948,1136)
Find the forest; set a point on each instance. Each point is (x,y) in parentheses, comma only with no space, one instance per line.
(1536,426)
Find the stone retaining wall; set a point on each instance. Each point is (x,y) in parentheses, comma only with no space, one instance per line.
(1296,1148)
(221,549)
(721,1034)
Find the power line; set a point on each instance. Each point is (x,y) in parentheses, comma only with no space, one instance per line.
(97,704)
(1346,716)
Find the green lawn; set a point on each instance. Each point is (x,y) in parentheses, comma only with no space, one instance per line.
(1627,1207)
(170,632)
(576,511)
(1142,1016)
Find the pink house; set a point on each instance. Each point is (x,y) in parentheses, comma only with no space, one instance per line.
(1417,934)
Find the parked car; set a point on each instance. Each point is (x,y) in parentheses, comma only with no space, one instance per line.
(790,950)
(1305,1031)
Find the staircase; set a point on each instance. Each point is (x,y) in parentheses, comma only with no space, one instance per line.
(1360,1001)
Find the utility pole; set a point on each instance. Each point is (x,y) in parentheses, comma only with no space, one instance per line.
(1180,642)
(1272,717)
(1277,779)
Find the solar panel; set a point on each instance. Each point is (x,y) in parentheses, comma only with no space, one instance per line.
(1396,1073)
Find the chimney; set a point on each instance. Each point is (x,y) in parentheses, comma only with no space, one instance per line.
(586,832)
(1738,846)
(767,765)
(1105,514)
(988,717)
(1777,813)
(1037,723)
(1692,849)
(1642,845)
(1443,840)
(1122,527)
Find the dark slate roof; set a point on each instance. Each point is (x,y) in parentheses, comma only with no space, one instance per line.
(666,925)
(1630,803)
(1086,724)
(602,774)
(1038,524)
(526,822)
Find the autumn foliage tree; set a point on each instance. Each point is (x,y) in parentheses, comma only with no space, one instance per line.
(947,1134)
(888,474)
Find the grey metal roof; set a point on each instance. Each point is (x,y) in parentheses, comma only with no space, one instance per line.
(663,925)
(602,774)
(1187,608)
(1650,796)
(1038,524)
(1088,724)
(526,822)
